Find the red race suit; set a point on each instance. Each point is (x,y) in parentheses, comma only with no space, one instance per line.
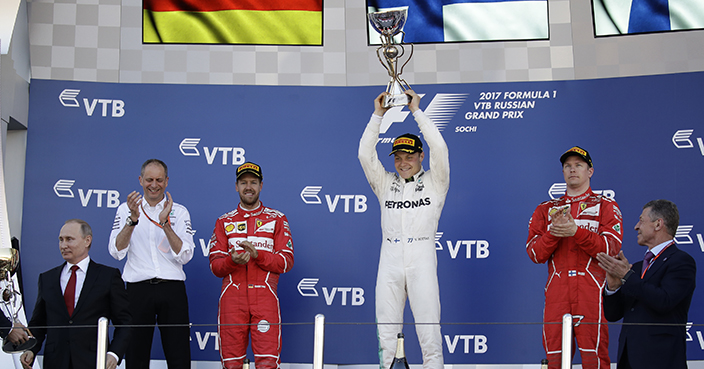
(248,293)
(575,280)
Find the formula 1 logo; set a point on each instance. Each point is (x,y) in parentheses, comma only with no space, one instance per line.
(62,188)
(309,195)
(233,155)
(115,107)
(558,190)
(681,140)
(441,110)
(306,287)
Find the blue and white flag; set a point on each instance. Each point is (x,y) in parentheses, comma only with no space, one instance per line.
(616,17)
(432,21)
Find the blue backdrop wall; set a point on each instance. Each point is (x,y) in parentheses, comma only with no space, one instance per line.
(86,143)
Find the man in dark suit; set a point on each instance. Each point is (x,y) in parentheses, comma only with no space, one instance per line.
(98,291)
(652,296)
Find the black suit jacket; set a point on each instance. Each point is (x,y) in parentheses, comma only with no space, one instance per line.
(103,295)
(5,326)
(663,297)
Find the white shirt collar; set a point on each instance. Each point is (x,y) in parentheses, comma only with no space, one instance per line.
(82,265)
(159,205)
(658,249)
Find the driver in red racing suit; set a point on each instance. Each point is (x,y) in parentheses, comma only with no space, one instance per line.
(567,233)
(250,247)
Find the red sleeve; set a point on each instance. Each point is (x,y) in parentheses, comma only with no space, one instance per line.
(221,263)
(541,244)
(281,260)
(610,234)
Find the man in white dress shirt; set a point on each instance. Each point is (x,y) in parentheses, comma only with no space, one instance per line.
(156,236)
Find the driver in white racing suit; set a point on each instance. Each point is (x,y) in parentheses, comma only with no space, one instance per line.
(411,202)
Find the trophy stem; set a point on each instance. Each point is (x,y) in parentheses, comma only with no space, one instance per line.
(397,94)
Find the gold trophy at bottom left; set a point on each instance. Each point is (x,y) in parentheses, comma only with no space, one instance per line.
(9,259)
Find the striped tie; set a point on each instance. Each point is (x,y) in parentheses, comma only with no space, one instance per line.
(646,262)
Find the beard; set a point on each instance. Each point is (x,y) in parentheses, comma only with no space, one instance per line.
(249,202)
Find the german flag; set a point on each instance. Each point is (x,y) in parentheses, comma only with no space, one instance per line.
(253,22)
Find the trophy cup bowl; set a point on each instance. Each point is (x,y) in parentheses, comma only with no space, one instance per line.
(9,260)
(388,24)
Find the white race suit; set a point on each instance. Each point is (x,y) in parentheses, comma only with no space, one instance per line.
(410,211)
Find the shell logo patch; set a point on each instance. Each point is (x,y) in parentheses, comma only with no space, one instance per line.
(235,227)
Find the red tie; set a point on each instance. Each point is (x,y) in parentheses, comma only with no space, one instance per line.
(70,292)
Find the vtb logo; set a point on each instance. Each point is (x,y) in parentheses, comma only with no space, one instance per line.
(559,189)
(62,188)
(683,237)
(681,140)
(441,110)
(189,147)
(481,247)
(309,195)
(306,287)
(480,343)
(115,107)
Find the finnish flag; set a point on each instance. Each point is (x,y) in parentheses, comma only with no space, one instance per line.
(433,21)
(615,17)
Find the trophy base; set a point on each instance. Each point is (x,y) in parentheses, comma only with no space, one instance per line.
(396,100)
(11,348)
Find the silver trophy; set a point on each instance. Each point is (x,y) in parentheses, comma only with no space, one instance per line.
(389,23)
(9,259)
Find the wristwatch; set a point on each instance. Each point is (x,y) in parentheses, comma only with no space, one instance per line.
(131,222)
(628,274)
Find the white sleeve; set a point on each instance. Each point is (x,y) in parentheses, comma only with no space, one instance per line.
(120,217)
(184,231)
(373,169)
(439,154)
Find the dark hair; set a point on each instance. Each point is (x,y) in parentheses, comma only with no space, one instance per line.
(155,161)
(85,227)
(667,211)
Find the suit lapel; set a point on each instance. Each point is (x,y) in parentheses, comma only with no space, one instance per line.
(660,261)
(88,283)
(53,286)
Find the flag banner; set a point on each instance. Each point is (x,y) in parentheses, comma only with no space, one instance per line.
(276,22)
(435,21)
(619,17)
